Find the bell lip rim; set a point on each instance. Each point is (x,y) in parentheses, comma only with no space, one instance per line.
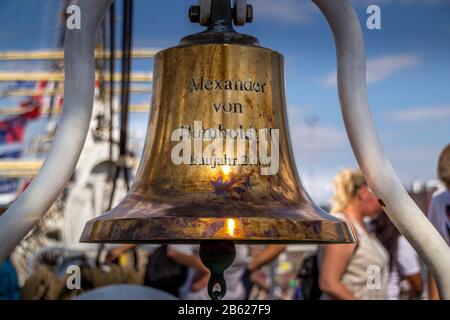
(344,235)
(160,52)
(235,241)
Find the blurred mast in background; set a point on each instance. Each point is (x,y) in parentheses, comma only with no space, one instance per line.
(90,191)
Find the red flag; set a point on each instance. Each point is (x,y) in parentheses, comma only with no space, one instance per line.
(35,102)
(12,130)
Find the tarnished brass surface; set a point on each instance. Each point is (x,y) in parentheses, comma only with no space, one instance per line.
(191,202)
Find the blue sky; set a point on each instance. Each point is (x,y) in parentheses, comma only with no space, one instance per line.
(408,73)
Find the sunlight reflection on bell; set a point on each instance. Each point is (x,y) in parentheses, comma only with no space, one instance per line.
(231,224)
(226,171)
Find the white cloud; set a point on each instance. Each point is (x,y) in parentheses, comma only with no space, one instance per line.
(431,113)
(319,187)
(414,162)
(285,11)
(380,68)
(320,139)
(298,113)
(415,155)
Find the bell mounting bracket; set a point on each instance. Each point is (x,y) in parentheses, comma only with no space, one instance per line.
(219,16)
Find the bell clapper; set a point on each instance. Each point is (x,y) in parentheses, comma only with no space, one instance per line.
(217,256)
(217,286)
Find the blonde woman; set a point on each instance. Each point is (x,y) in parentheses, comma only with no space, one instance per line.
(439,210)
(354,271)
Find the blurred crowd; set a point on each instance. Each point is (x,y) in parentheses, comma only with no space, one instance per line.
(382,264)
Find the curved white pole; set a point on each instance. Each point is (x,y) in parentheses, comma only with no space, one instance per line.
(380,176)
(73,126)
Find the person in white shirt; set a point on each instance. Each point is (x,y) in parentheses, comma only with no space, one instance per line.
(439,209)
(405,278)
(346,269)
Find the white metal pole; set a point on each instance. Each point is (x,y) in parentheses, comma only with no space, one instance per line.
(73,126)
(378,171)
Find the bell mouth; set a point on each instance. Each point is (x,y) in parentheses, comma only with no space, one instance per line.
(191,230)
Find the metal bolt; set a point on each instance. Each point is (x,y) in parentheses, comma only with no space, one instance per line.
(249,17)
(194,14)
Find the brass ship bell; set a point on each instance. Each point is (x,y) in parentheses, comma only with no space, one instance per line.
(217,167)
